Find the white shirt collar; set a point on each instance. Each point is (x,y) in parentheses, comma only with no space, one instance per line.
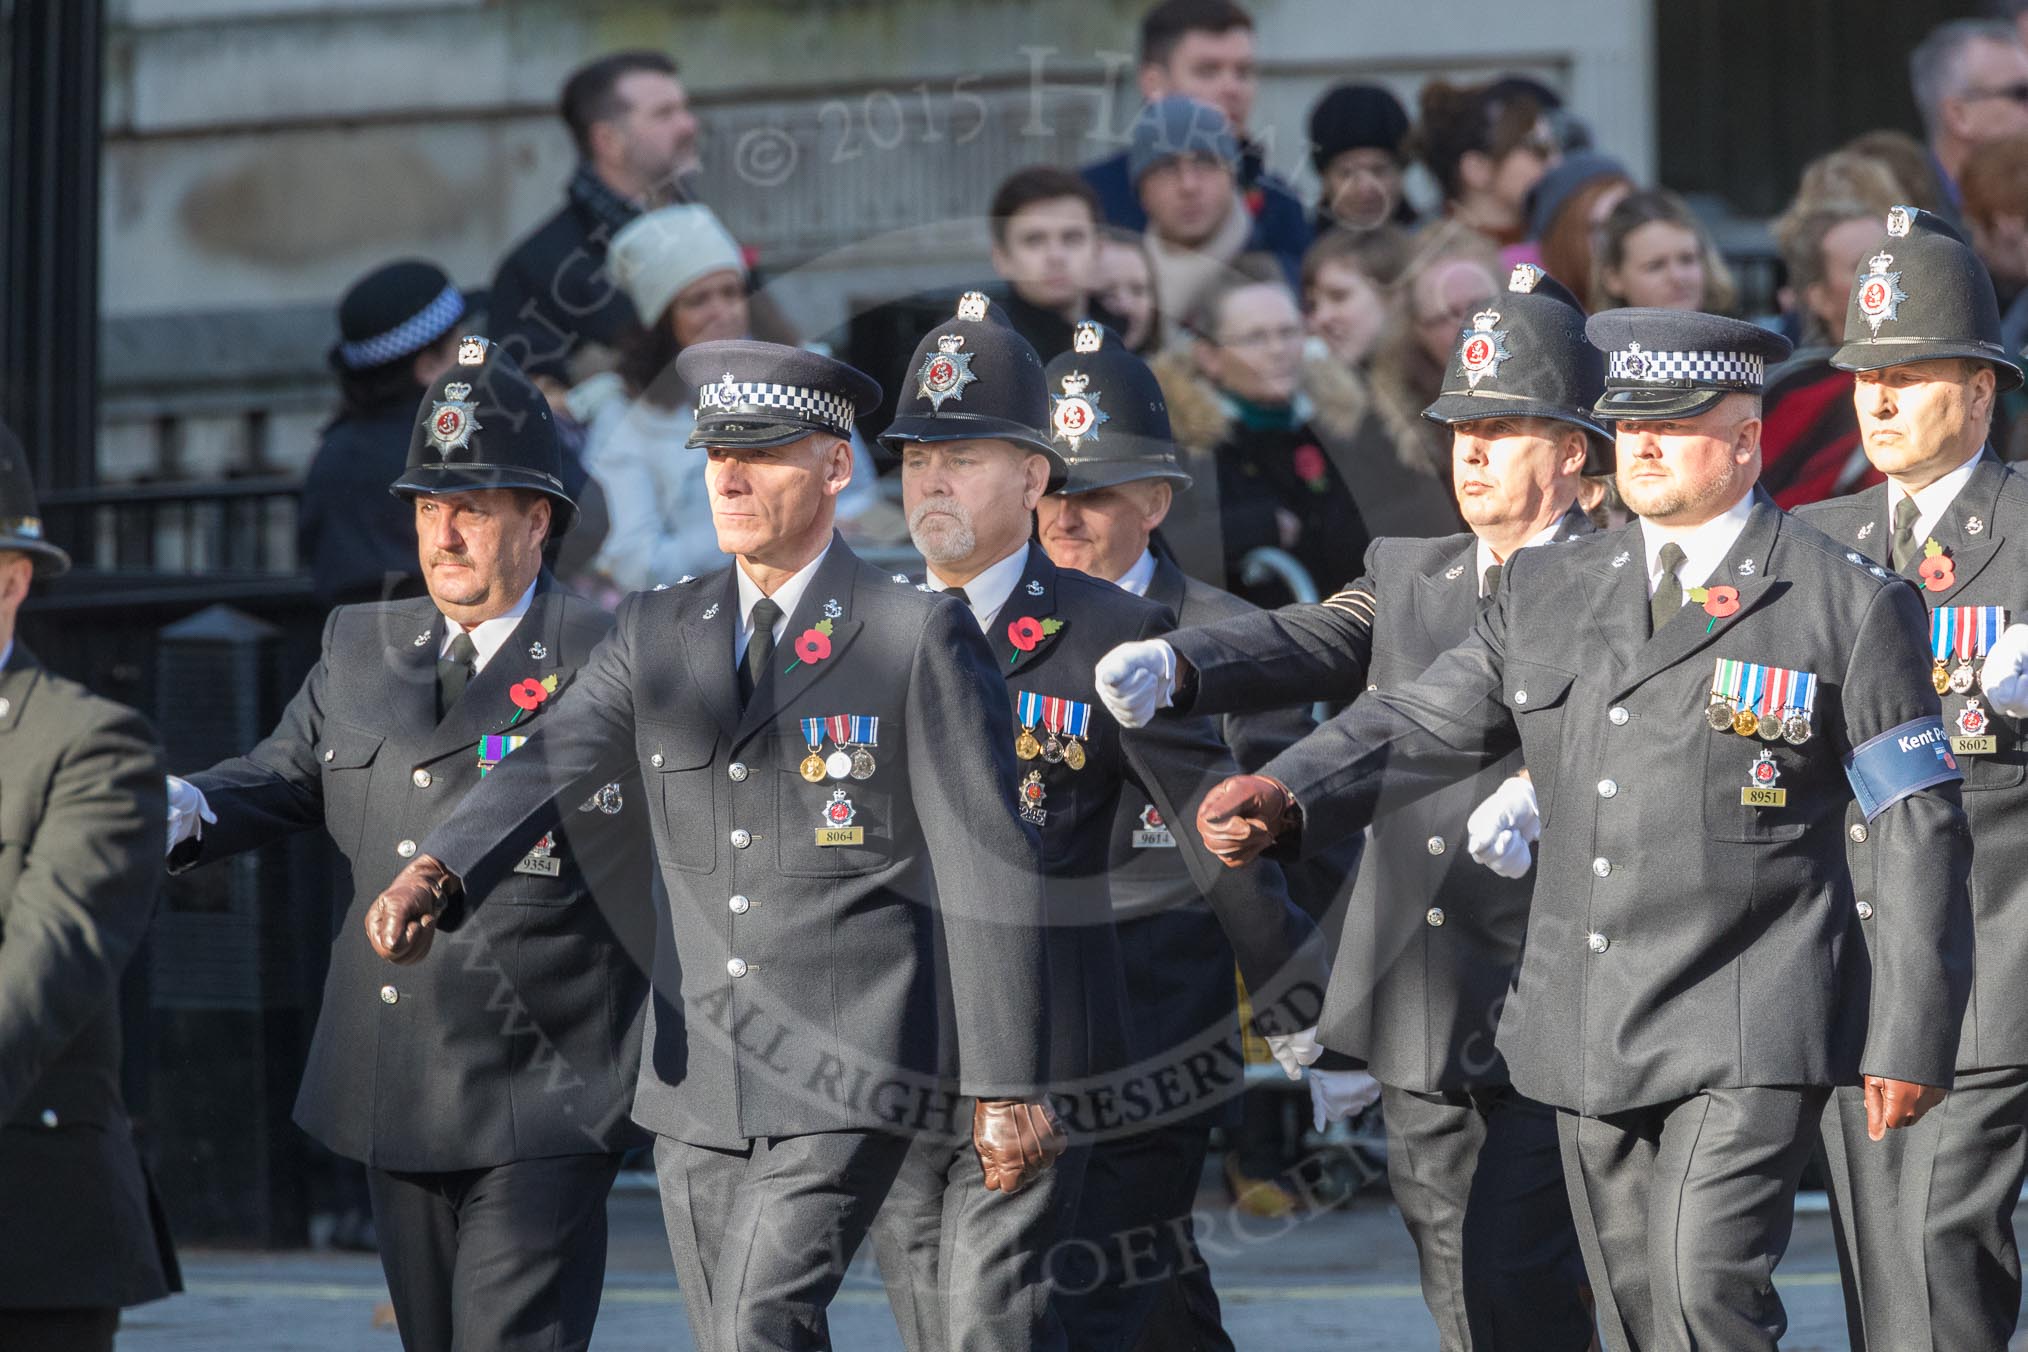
(488,635)
(1704,546)
(989,591)
(1137,577)
(1932,501)
(1483,553)
(787,596)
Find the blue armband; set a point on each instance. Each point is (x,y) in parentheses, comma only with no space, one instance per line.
(1900,761)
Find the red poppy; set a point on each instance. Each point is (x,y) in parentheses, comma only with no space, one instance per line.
(1025,633)
(1721,601)
(813,646)
(528,694)
(1309,463)
(1938,572)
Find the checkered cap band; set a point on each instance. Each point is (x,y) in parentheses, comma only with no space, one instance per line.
(413,334)
(1744,370)
(831,409)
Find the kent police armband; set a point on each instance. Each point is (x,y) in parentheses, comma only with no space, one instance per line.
(1900,761)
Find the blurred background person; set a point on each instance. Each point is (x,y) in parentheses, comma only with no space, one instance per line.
(1358,146)
(1566,214)
(1487,150)
(397,332)
(1045,226)
(1349,289)
(1126,287)
(1653,251)
(1905,157)
(1969,79)
(1995,202)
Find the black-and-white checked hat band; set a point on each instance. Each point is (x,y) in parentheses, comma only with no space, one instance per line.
(1640,366)
(413,334)
(766,397)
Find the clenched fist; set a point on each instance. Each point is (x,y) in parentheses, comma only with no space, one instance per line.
(1896,1103)
(402,920)
(1016,1141)
(1243,815)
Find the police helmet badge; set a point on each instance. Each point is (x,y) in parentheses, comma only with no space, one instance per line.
(946,371)
(1484,347)
(472,351)
(1880,293)
(1523,279)
(453,419)
(1075,414)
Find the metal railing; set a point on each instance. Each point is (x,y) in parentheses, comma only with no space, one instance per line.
(238,528)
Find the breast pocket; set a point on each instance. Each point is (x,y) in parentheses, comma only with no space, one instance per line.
(1539,696)
(1754,799)
(677,761)
(346,754)
(831,828)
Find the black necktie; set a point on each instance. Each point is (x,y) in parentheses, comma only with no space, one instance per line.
(1668,597)
(454,671)
(1903,548)
(1492,582)
(760,649)
(959,592)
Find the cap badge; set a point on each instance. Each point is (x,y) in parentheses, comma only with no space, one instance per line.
(1634,362)
(728,391)
(453,420)
(472,351)
(1899,221)
(972,305)
(1087,338)
(1524,278)
(1483,348)
(945,372)
(1880,293)
(1075,414)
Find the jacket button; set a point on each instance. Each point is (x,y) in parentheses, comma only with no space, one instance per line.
(1520,696)
(735,967)
(388,995)
(329,755)
(740,905)
(1434,915)
(421,778)
(1608,789)
(1858,833)
(741,838)
(1616,716)
(406,849)
(1602,866)
(738,772)
(656,760)
(1865,910)
(1435,845)
(1596,942)
(48,1114)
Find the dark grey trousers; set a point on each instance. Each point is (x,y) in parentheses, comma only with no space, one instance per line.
(1479,1180)
(761,1237)
(1684,1209)
(1925,1217)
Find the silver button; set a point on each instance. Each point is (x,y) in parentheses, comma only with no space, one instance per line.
(405,849)
(1596,942)
(5,706)
(1434,915)
(738,772)
(329,755)
(1436,845)
(1865,910)
(48,1114)
(1520,696)
(741,838)
(388,995)
(656,760)
(735,967)
(421,778)
(1602,866)
(739,905)
(1608,789)
(1858,833)
(1616,716)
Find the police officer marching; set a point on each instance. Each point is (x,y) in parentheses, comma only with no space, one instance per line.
(977,454)
(829,766)
(1926,1217)
(1699,698)
(486,1090)
(1417,989)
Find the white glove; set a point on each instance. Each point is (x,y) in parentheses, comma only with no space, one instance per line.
(1135,679)
(188,812)
(1293,1051)
(2005,679)
(1501,830)
(1336,1094)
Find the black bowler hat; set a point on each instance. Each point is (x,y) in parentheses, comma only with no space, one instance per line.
(1526,356)
(1110,421)
(756,394)
(1922,295)
(974,377)
(20,525)
(484,425)
(1678,363)
(395,312)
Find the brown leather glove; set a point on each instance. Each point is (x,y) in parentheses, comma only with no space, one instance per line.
(402,920)
(1896,1103)
(1241,817)
(1016,1140)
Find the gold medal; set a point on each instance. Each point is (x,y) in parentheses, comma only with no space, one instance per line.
(1940,678)
(1746,722)
(1025,746)
(813,768)
(862,763)
(1769,728)
(1718,714)
(1073,754)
